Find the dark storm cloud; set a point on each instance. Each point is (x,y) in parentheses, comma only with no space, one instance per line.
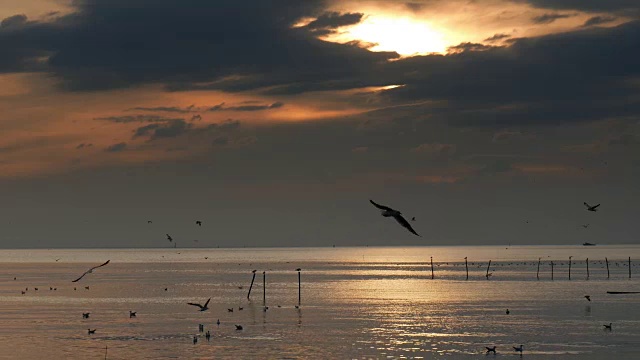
(137,118)
(116,147)
(549,18)
(597,20)
(570,77)
(105,44)
(468,46)
(84,145)
(175,109)
(329,21)
(15,20)
(497,37)
(585,5)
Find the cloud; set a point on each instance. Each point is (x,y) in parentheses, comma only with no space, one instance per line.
(624,140)
(137,118)
(175,109)
(497,37)
(506,136)
(170,129)
(83,145)
(586,5)
(467,46)
(196,118)
(597,20)
(116,147)
(549,18)
(220,141)
(13,21)
(222,107)
(329,21)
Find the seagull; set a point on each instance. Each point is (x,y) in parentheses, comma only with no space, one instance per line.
(493,349)
(591,208)
(202,308)
(413,218)
(587,297)
(508,311)
(387,212)
(585,226)
(253,271)
(169,237)
(89,331)
(238,327)
(608,327)
(298,269)
(518,349)
(230,310)
(149,222)
(195,340)
(208,335)
(218,322)
(85,315)
(90,271)
(132,314)
(199,223)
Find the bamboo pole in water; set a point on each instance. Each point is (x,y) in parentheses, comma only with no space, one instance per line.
(570,267)
(587,268)
(538,272)
(264,288)
(251,286)
(487,274)
(552,270)
(629,267)
(432,267)
(466,266)
(299,289)
(607,262)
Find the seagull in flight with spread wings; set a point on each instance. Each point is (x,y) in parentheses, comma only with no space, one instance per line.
(591,208)
(387,212)
(169,238)
(202,308)
(90,271)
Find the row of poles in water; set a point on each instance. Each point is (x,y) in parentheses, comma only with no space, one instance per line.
(264,287)
(466,265)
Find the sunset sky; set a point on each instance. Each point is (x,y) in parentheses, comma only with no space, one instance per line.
(274,122)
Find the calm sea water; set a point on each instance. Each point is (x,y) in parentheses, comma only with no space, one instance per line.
(356,303)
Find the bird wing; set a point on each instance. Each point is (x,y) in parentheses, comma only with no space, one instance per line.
(596,206)
(207,303)
(101,265)
(402,221)
(587,205)
(194,304)
(90,270)
(381,207)
(81,276)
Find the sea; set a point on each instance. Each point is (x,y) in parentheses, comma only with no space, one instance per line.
(343,303)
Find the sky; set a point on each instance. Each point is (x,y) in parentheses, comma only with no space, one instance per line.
(275,122)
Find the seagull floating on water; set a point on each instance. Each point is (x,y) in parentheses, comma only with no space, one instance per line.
(608,327)
(389,212)
(90,271)
(132,314)
(493,349)
(85,315)
(202,308)
(587,297)
(591,208)
(238,327)
(89,331)
(518,349)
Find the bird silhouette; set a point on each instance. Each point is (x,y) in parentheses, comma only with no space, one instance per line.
(518,349)
(608,327)
(149,222)
(489,350)
(90,271)
(585,226)
(85,315)
(199,223)
(397,215)
(89,331)
(587,297)
(132,314)
(202,307)
(238,327)
(169,238)
(591,208)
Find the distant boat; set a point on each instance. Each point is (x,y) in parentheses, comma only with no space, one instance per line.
(588,244)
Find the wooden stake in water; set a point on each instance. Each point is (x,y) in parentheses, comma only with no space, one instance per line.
(487,274)
(570,267)
(299,288)
(538,272)
(607,262)
(432,267)
(552,270)
(105,353)
(466,266)
(251,286)
(629,267)
(264,288)
(587,268)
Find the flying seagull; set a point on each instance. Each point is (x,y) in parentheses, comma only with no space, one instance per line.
(169,238)
(586,226)
(90,271)
(149,222)
(607,327)
(198,222)
(413,218)
(587,297)
(387,212)
(591,208)
(202,308)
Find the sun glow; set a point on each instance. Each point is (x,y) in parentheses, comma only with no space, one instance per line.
(403,35)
